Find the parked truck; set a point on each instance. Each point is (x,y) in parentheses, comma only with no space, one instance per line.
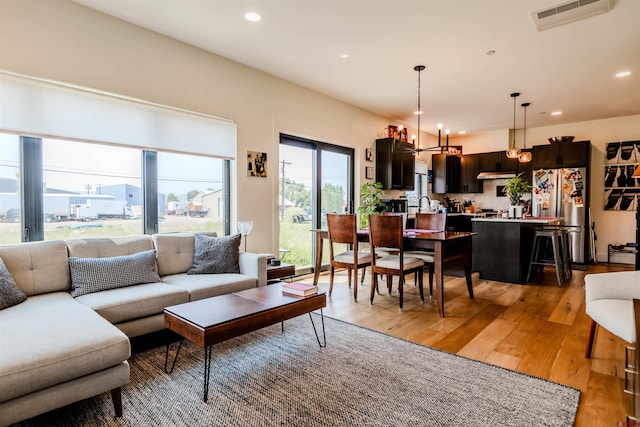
(102,209)
(57,207)
(197,210)
(177,208)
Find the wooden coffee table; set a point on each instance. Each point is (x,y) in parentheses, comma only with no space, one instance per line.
(213,320)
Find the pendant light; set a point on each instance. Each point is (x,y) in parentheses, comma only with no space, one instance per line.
(514,152)
(525,156)
(417,148)
(419,69)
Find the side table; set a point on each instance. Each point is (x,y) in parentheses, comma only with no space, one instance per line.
(282,271)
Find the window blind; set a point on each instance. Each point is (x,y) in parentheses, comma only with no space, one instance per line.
(37,107)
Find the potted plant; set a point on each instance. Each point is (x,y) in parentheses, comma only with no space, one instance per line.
(514,188)
(370,201)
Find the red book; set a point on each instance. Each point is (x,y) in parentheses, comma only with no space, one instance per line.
(299,289)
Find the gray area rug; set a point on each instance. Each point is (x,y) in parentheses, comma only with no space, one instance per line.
(362,378)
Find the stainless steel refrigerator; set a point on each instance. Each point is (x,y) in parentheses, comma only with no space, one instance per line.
(563,193)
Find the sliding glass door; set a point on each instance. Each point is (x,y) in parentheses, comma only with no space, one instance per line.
(316,178)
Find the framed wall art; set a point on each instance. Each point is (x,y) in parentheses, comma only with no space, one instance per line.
(621,191)
(256,164)
(368,154)
(369,172)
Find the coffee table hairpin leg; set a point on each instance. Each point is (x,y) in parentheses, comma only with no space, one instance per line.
(324,337)
(207,371)
(175,359)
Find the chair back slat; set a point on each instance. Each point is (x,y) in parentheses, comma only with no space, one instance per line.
(431,221)
(385,231)
(342,228)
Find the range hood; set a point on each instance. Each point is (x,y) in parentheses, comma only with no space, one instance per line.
(496,175)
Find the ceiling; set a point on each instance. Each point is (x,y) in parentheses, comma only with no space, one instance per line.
(570,68)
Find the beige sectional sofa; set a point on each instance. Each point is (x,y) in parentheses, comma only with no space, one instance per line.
(56,349)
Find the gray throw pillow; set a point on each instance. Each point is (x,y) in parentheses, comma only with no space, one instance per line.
(216,254)
(90,275)
(10,294)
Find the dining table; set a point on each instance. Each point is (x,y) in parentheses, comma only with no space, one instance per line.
(445,245)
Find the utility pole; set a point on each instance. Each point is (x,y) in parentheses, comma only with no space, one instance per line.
(283,163)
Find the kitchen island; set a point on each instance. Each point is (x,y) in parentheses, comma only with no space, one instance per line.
(502,246)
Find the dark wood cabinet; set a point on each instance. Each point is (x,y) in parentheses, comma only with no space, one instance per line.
(470,164)
(395,164)
(456,174)
(458,222)
(447,173)
(497,161)
(568,155)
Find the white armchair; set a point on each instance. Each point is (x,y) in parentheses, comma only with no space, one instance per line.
(609,303)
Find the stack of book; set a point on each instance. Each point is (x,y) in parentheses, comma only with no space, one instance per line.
(299,289)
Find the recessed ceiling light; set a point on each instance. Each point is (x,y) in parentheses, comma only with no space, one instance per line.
(252,16)
(417,113)
(462,132)
(345,56)
(556,113)
(623,74)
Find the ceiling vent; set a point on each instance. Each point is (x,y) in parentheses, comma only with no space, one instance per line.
(568,11)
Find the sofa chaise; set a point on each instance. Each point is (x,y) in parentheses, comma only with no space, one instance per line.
(66,342)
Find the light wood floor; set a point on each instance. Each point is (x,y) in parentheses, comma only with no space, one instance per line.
(537,329)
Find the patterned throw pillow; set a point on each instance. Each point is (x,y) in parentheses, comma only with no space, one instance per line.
(10,294)
(90,275)
(216,254)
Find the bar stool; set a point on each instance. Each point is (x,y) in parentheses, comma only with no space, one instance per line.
(566,247)
(541,240)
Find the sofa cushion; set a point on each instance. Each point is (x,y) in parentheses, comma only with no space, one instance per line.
(10,295)
(202,286)
(175,251)
(109,247)
(50,339)
(134,302)
(90,275)
(38,267)
(214,255)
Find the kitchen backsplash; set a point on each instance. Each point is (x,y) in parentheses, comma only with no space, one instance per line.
(488,199)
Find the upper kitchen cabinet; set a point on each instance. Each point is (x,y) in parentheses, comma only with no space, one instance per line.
(567,155)
(456,174)
(497,161)
(470,165)
(395,164)
(447,173)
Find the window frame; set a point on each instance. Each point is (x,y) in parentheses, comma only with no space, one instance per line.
(31,168)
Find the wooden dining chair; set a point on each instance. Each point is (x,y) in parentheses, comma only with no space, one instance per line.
(428,221)
(342,230)
(387,231)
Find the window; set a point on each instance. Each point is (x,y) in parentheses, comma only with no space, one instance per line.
(191,193)
(90,190)
(78,189)
(316,178)
(68,189)
(10,214)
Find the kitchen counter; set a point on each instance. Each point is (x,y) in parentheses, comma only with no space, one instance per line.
(502,246)
(544,220)
(472,215)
